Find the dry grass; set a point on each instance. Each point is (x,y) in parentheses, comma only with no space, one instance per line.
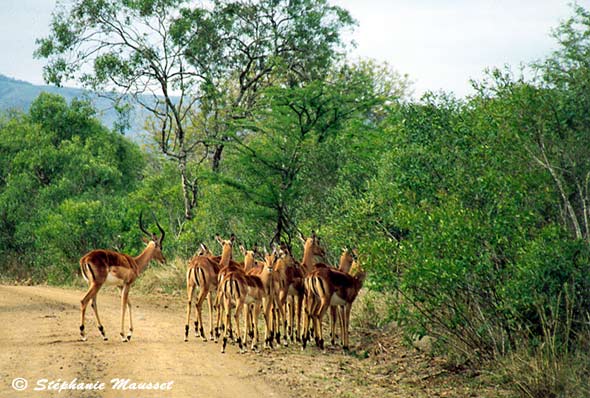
(541,375)
(557,363)
(381,363)
(169,278)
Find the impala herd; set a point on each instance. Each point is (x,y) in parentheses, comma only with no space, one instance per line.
(292,296)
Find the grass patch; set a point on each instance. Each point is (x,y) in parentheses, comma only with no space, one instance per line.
(169,278)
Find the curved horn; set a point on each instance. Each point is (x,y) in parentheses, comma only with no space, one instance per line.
(159,227)
(141,227)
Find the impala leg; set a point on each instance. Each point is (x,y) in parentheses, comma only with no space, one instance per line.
(247,320)
(90,294)
(291,328)
(239,308)
(100,327)
(254,346)
(333,320)
(130,332)
(220,304)
(190,289)
(249,330)
(305,333)
(281,318)
(210,303)
(323,307)
(226,316)
(124,299)
(267,308)
(345,314)
(299,307)
(203,293)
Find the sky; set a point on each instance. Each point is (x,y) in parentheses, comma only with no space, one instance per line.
(439,44)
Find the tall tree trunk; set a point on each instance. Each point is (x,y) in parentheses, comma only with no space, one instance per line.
(217,157)
(189,190)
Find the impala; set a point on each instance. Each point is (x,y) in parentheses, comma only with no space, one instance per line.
(106,267)
(226,265)
(265,272)
(349,265)
(238,289)
(311,250)
(330,287)
(202,273)
(289,295)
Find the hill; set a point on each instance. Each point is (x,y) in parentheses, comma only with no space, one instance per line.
(18,95)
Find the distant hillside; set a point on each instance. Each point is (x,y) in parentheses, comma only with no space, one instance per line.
(18,94)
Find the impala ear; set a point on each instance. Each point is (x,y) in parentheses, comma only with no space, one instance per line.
(242,250)
(232,238)
(218,239)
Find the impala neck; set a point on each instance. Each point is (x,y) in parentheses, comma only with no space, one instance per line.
(226,255)
(146,255)
(345,263)
(308,256)
(249,262)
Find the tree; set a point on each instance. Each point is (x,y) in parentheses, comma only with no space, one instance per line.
(549,117)
(285,158)
(65,179)
(218,57)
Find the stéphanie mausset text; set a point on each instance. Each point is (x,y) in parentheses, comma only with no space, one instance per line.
(114,384)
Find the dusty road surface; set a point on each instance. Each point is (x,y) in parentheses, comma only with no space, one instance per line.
(39,343)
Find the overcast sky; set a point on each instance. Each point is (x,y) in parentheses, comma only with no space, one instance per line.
(440,44)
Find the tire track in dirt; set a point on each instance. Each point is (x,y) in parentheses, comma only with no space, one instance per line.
(39,340)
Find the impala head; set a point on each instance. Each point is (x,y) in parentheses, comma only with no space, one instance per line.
(283,250)
(153,237)
(249,256)
(270,259)
(356,268)
(226,245)
(312,245)
(204,250)
(346,260)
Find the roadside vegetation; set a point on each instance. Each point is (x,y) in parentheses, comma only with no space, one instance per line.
(471,216)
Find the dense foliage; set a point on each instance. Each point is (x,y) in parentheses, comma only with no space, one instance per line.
(62,190)
(475,212)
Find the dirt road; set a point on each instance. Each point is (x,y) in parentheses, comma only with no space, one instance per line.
(39,342)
